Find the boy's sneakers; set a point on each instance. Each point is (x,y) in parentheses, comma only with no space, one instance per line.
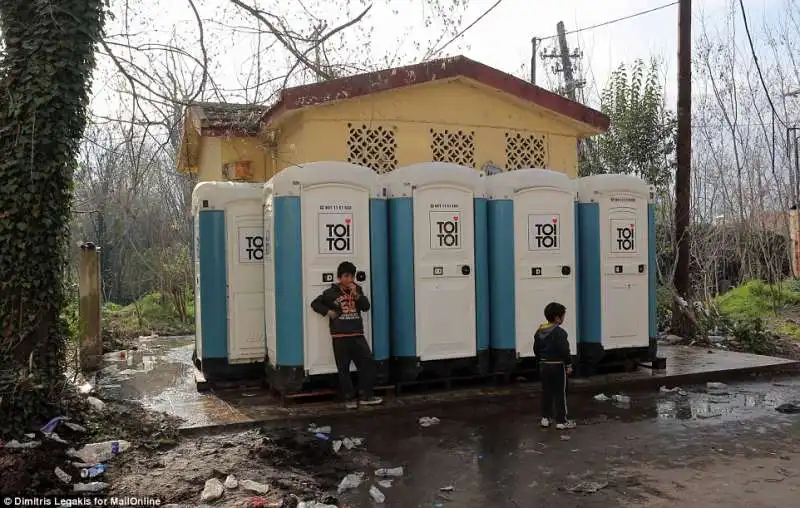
(351,404)
(545,423)
(569,424)
(372,401)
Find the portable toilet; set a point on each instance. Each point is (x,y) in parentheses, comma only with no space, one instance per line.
(532,252)
(316,216)
(617,276)
(229,292)
(438,270)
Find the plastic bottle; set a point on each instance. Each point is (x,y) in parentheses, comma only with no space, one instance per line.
(376,494)
(89,487)
(93,471)
(96,453)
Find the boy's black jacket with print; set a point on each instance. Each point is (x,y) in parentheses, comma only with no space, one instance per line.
(550,344)
(348,306)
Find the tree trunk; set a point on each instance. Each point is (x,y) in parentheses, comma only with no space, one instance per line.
(45,75)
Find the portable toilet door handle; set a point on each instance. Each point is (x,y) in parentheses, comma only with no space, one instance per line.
(465,270)
(566,270)
(361,276)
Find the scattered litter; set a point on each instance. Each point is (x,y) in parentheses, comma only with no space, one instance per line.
(249,394)
(16,444)
(258,488)
(81,465)
(85,388)
(93,471)
(389,472)
(96,453)
(337,445)
(31,435)
(448,488)
(231,482)
(587,487)
(376,495)
(790,408)
(97,404)
(601,397)
(351,481)
(351,443)
(63,476)
(384,484)
(89,487)
(324,430)
(55,437)
(624,399)
(664,389)
(323,436)
(50,426)
(212,491)
(715,385)
(75,427)
(427,421)
(258,502)
(314,504)
(565,437)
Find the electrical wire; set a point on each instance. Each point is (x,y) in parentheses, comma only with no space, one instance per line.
(758,67)
(462,32)
(611,22)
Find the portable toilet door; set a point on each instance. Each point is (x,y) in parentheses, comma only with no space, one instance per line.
(618,272)
(438,269)
(322,214)
(229,296)
(532,251)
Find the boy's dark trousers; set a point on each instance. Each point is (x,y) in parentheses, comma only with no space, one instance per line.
(355,349)
(554,390)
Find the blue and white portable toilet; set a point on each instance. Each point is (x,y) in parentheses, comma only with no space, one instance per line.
(438,270)
(229,292)
(532,253)
(617,276)
(316,216)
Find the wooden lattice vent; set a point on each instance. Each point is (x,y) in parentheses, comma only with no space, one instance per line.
(373,147)
(456,147)
(526,150)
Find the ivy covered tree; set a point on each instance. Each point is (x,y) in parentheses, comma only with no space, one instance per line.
(45,77)
(641,139)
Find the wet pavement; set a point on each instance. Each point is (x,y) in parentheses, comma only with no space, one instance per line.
(161,376)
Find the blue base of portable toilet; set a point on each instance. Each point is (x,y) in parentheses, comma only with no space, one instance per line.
(591,350)
(287,372)
(406,364)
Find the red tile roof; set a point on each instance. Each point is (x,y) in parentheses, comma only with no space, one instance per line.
(364,84)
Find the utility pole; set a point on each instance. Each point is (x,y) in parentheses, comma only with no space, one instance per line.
(566,62)
(683,177)
(534,42)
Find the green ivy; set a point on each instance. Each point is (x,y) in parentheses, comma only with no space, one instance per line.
(45,80)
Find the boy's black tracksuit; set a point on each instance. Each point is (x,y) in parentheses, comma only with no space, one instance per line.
(347,333)
(551,349)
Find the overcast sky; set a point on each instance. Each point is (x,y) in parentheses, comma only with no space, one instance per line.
(502,39)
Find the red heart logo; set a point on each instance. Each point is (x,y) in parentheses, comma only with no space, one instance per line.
(347,220)
(455,217)
(555,220)
(631,227)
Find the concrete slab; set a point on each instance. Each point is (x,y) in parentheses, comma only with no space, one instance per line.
(160,374)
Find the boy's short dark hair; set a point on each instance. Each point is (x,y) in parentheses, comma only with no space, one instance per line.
(553,311)
(346,268)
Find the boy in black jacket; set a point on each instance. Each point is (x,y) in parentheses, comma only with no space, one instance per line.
(343,304)
(551,348)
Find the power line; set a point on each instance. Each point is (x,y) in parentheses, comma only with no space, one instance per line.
(462,32)
(606,23)
(758,67)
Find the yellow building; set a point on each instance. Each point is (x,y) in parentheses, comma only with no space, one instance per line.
(449,110)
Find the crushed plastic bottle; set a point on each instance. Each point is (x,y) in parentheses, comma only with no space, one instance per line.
(337,445)
(348,443)
(95,453)
(624,399)
(63,476)
(447,488)
(97,404)
(16,444)
(90,487)
(322,436)
(390,472)
(93,471)
(351,481)
(326,429)
(212,491)
(384,484)
(55,437)
(258,488)
(75,427)
(231,482)
(376,495)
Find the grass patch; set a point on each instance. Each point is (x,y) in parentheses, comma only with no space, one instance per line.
(755,299)
(153,313)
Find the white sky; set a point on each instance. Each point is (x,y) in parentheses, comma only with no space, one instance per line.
(501,39)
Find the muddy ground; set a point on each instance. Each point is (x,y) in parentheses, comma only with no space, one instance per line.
(707,447)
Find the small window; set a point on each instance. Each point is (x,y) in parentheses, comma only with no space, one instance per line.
(456,147)
(374,148)
(525,150)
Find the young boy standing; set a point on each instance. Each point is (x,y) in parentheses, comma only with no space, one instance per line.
(551,348)
(343,304)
